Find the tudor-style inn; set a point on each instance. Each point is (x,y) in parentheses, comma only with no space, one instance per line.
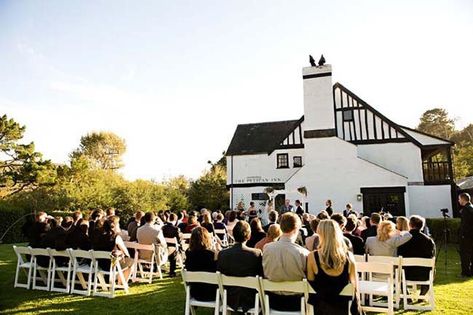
(342,149)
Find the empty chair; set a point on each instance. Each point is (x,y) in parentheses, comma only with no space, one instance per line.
(61,264)
(396,262)
(82,264)
(200,277)
(406,284)
(243,282)
(381,285)
(300,287)
(41,266)
(23,263)
(114,273)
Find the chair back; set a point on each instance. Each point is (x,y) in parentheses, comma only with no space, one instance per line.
(418,262)
(200,277)
(395,261)
(171,240)
(243,282)
(79,253)
(360,258)
(375,267)
(285,286)
(129,244)
(21,253)
(59,253)
(39,252)
(100,254)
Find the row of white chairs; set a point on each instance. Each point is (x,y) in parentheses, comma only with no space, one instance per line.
(386,276)
(261,287)
(77,264)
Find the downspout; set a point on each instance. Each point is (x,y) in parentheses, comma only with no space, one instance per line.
(231,183)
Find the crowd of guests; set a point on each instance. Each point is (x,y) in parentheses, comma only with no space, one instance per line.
(288,245)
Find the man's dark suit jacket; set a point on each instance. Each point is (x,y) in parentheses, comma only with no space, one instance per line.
(371,231)
(170,231)
(466,225)
(422,246)
(357,243)
(240,261)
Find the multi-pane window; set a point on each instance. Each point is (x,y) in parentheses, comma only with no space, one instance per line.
(282,160)
(347,115)
(297,161)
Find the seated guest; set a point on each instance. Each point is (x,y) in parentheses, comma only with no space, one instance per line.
(108,240)
(219,225)
(387,240)
(306,218)
(341,220)
(360,225)
(348,210)
(134,225)
(54,238)
(232,220)
(284,260)
(200,257)
(323,215)
(274,232)
(148,234)
(257,232)
(273,218)
(240,261)
(170,230)
(312,242)
(191,224)
(207,222)
(38,230)
(110,212)
(329,270)
(116,223)
(94,217)
(420,245)
(76,237)
(357,242)
(372,229)
(402,224)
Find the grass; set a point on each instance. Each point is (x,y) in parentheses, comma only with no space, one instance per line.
(453,295)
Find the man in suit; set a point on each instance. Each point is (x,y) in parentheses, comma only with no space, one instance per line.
(466,235)
(372,230)
(356,241)
(240,261)
(329,209)
(286,207)
(299,210)
(134,225)
(420,245)
(170,230)
(148,234)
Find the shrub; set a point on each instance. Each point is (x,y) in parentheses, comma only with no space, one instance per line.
(13,220)
(436,226)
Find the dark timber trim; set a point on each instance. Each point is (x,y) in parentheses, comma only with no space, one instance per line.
(316,75)
(378,141)
(375,190)
(290,146)
(278,185)
(320,133)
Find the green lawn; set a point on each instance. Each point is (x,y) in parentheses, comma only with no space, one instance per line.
(453,295)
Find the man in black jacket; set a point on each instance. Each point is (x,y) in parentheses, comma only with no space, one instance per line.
(421,246)
(170,230)
(372,230)
(466,235)
(356,241)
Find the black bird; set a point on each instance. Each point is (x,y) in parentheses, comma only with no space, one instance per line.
(312,61)
(321,60)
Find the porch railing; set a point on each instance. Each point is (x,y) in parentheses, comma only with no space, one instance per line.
(437,172)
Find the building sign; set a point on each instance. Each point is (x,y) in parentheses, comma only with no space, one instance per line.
(257,180)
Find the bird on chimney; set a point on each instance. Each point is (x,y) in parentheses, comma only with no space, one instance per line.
(312,61)
(321,60)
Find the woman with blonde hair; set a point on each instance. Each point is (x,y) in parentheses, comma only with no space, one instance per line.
(387,241)
(274,232)
(329,269)
(402,224)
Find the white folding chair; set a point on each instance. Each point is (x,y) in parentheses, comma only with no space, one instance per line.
(82,263)
(360,258)
(44,272)
(300,287)
(348,291)
(375,286)
(175,244)
(396,263)
(63,270)
(23,263)
(114,273)
(222,234)
(243,282)
(186,239)
(429,297)
(200,277)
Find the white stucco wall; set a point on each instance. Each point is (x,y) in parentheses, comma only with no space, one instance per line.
(428,200)
(404,158)
(318,99)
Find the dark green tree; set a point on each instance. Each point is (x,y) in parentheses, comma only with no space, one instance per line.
(210,191)
(21,167)
(436,122)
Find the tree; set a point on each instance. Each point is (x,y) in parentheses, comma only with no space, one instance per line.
(103,149)
(436,122)
(177,193)
(21,167)
(210,191)
(464,137)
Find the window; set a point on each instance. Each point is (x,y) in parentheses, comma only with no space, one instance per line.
(297,161)
(282,160)
(259,196)
(348,115)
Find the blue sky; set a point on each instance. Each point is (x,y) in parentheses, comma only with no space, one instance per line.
(174,78)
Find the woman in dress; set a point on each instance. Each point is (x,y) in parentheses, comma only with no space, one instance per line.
(329,269)
(257,233)
(387,241)
(200,257)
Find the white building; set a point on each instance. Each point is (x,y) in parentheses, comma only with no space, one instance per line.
(344,150)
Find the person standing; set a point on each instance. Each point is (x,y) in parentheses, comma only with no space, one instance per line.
(286,207)
(329,209)
(466,235)
(299,210)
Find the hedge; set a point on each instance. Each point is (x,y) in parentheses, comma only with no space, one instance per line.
(436,227)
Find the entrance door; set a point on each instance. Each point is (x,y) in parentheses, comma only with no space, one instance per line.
(384,198)
(279,202)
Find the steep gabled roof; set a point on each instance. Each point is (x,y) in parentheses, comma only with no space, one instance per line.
(260,137)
